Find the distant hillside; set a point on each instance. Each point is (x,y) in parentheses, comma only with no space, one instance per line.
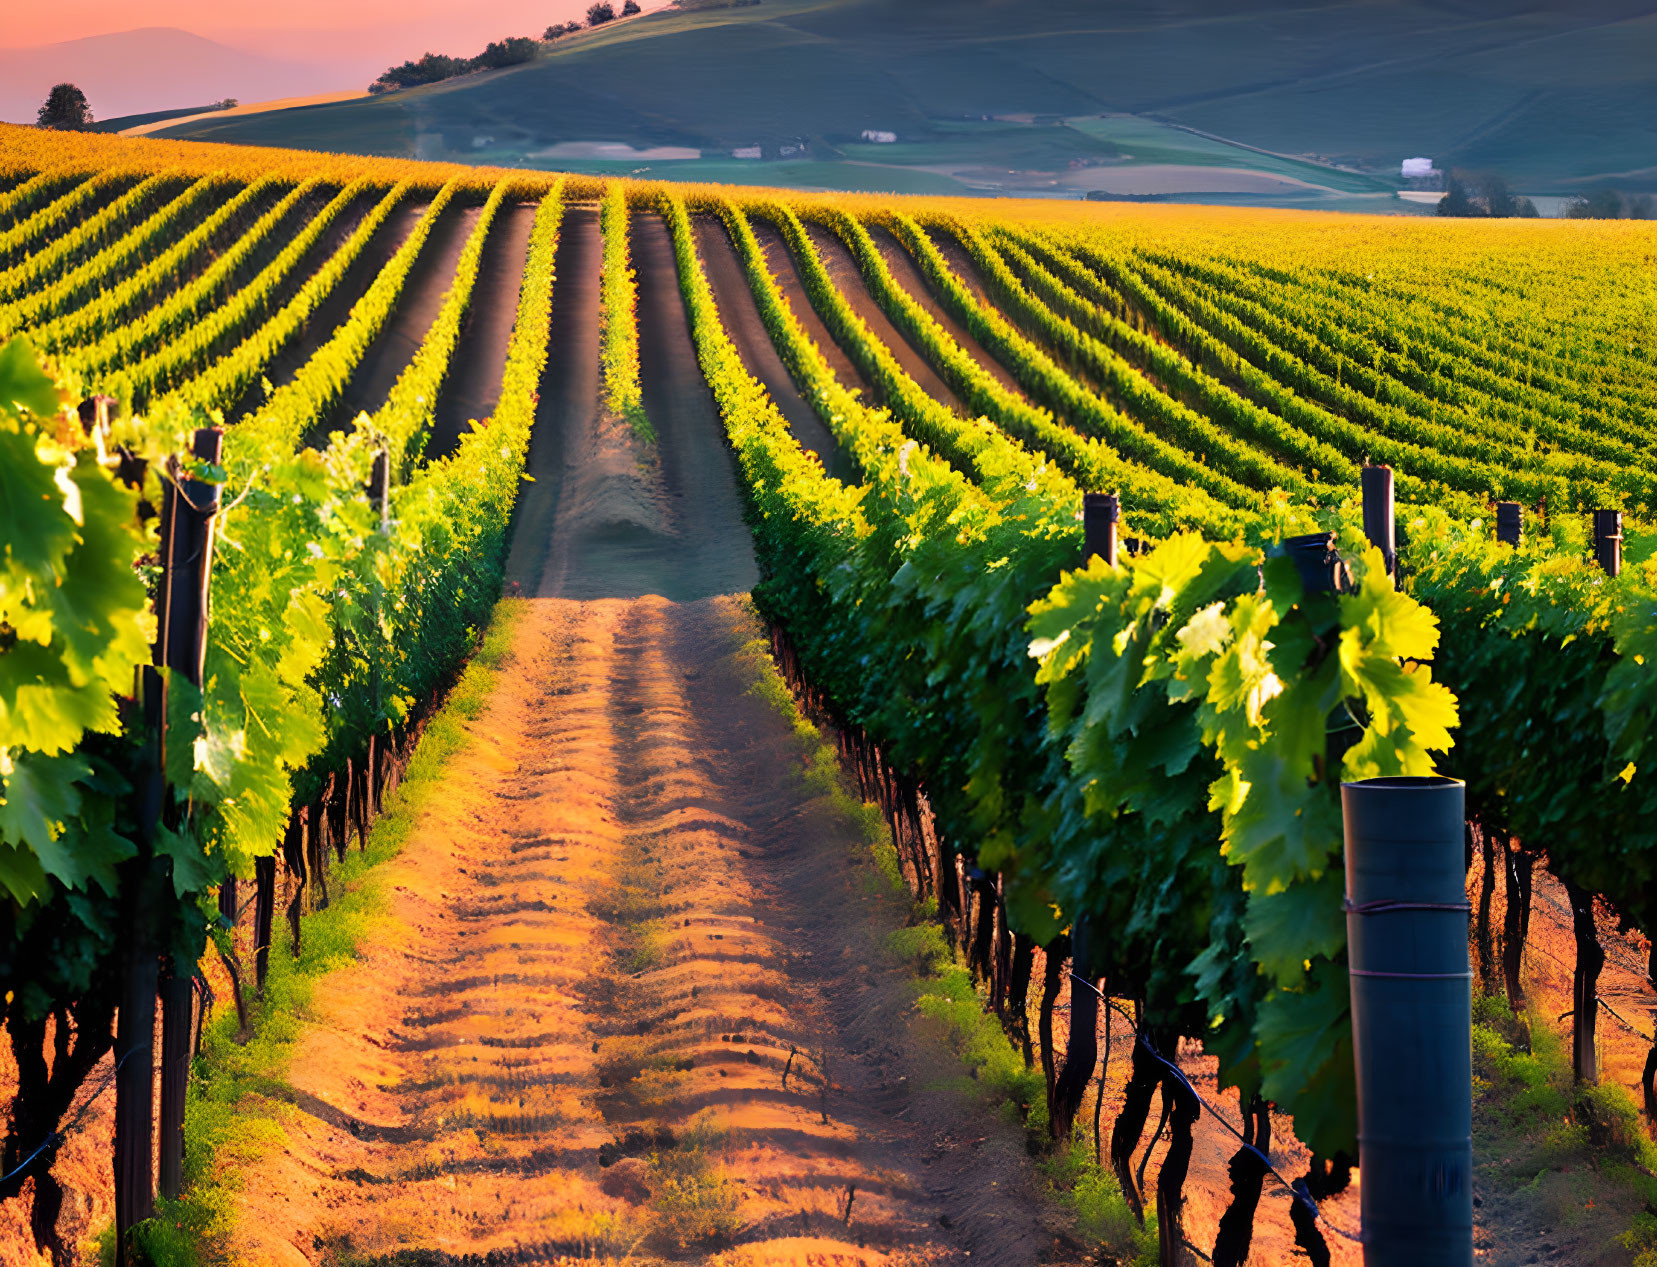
(148,70)
(1005,94)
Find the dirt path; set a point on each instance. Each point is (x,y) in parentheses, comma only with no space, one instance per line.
(568,405)
(320,324)
(909,276)
(747,329)
(631,996)
(843,271)
(473,388)
(1563,1215)
(424,290)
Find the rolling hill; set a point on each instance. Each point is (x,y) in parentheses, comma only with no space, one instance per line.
(147,70)
(1000,96)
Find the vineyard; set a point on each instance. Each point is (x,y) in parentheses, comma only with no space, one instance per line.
(357,914)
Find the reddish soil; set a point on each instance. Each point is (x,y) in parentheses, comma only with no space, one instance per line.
(843,271)
(1552,1213)
(424,290)
(759,354)
(630,934)
(473,388)
(908,275)
(319,326)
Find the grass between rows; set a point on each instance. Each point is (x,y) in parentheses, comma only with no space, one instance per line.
(239,1097)
(946,996)
(1563,1148)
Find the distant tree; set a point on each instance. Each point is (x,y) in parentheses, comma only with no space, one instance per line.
(630,8)
(1498,198)
(66,109)
(1458,199)
(1598,204)
(513,51)
(229,103)
(600,13)
(1483,195)
(430,69)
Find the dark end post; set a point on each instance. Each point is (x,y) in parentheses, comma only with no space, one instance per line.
(379,487)
(1412,1001)
(1321,568)
(188,523)
(1608,540)
(95,413)
(133,1162)
(1101,512)
(1510,522)
(1380,522)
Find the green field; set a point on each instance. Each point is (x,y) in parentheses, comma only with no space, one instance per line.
(990,97)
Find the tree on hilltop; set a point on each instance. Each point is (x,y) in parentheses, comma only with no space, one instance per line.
(630,8)
(512,51)
(600,13)
(66,109)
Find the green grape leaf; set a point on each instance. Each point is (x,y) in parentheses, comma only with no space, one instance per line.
(35,529)
(1305,1045)
(1298,923)
(99,606)
(41,708)
(21,874)
(24,386)
(192,872)
(40,795)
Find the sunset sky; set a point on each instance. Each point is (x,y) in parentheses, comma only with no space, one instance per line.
(361,28)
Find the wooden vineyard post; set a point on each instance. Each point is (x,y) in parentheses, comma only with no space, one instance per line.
(1608,540)
(1590,955)
(188,516)
(1510,523)
(1101,512)
(135,1022)
(1412,1016)
(1590,960)
(1380,517)
(188,510)
(264,912)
